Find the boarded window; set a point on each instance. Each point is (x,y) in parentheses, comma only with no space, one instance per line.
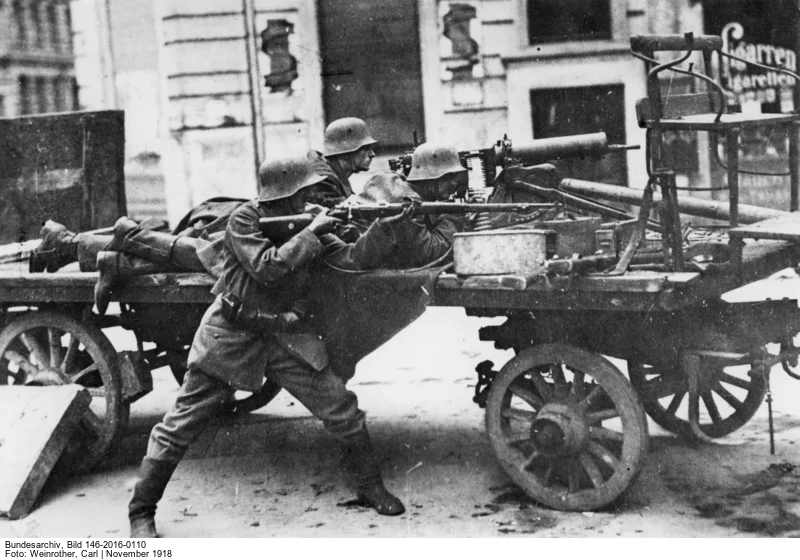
(567,111)
(552,21)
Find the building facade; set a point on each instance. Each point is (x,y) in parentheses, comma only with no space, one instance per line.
(36,58)
(466,72)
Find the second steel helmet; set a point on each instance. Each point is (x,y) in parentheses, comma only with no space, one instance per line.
(282,177)
(431,161)
(346,135)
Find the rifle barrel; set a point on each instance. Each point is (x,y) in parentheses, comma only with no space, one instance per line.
(434,208)
(282,226)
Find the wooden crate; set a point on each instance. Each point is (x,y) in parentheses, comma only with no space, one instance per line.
(68,167)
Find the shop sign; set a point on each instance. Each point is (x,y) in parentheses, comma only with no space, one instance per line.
(747,85)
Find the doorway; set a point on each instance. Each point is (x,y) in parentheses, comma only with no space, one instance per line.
(371,67)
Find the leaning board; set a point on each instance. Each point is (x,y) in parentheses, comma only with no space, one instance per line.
(35,425)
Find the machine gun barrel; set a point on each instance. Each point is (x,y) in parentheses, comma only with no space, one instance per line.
(282,226)
(543,150)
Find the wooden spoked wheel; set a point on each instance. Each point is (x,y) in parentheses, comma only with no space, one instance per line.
(729,397)
(44,348)
(566,426)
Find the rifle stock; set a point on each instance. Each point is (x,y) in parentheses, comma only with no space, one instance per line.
(282,227)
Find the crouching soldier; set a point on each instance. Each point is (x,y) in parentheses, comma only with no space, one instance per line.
(408,241)
(348,149)
(255,328)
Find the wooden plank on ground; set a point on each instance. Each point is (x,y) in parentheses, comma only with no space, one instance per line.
(35,425)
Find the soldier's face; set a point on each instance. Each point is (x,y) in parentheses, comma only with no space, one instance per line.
(362,158)
(448,185)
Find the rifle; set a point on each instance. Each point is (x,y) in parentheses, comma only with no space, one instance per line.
(282,227)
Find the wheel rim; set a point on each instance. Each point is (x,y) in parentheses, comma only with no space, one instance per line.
(46,348)
(241,405)
(254,401)
(566,426)
(729,398)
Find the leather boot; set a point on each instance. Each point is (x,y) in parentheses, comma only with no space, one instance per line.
(362,463)
(113,269)
(153,478)
(58,248)
(89,246)
(155,246)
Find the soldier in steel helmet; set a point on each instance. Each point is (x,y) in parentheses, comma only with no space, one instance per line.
(405,241)
(348,149)
(255,328)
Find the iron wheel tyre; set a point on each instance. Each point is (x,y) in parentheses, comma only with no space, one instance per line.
(49,348)
(727,403)
(244,405)
(566,426)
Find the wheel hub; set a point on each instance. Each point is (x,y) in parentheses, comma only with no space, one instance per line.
(560,429)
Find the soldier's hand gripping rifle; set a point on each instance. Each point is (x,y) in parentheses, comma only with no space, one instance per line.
(283,227)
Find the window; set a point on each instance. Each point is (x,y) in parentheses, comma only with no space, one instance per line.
(24,95)
(41,95)
(554,21)
(562,112)
(76,102)
(61,87)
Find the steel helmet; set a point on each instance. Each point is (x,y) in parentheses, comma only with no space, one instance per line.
(346,135)
(282,177)
(430,161)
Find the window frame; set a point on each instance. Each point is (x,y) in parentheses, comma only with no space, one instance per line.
(617,41)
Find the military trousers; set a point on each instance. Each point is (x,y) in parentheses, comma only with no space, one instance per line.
(202,397)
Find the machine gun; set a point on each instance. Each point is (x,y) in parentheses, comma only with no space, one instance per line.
(483,163)
(283,227)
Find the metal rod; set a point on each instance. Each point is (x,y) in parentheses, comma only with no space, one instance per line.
(254,75)
(688,205)
(794,166)
(733,175)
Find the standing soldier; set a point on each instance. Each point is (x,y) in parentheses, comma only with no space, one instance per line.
(255,327)
(348,150)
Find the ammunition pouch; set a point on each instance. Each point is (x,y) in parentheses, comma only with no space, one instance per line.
(254,319)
